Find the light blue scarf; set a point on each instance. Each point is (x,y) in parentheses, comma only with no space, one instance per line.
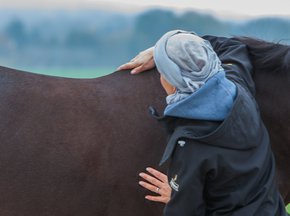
(186,61)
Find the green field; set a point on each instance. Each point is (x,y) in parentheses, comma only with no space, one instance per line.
(83,73)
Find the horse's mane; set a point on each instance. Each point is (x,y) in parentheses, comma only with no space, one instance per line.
(268,56)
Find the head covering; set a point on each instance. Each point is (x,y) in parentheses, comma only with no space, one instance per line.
(186,61)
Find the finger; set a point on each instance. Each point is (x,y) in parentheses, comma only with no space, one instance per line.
(138,69)
(151,179)
(128,66)
(148,186)
(159,175)
(156,198)
(122,67)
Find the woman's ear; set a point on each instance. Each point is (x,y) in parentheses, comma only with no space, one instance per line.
(170,89)
(174,89)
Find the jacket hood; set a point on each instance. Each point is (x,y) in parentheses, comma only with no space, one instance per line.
(212,101)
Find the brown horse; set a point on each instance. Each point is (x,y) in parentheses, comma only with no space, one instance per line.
(76,146)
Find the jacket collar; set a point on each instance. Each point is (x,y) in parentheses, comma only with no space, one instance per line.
(240,130)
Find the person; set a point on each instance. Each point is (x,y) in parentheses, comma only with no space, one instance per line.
(221,162)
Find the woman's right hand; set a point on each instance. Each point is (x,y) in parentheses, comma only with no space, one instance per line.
(142,62)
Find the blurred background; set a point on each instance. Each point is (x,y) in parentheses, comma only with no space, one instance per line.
(90,38)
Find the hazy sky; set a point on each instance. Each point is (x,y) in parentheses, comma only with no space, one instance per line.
(221,7)
(247,7)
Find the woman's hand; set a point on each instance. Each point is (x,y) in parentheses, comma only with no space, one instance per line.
(142,62)
(156,182)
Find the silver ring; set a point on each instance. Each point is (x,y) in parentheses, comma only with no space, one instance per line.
(157,189)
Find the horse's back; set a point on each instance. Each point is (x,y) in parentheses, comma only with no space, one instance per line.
(74,147)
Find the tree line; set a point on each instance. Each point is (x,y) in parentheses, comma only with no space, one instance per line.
(109,43)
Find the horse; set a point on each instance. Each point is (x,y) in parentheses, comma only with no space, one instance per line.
(76,146)
(271,63)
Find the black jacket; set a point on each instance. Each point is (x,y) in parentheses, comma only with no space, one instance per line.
(223,168)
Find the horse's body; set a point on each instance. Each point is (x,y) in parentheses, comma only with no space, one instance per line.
(75,147)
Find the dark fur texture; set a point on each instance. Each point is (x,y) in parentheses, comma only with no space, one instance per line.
(75,147)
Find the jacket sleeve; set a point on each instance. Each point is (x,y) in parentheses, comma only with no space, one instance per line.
(235,60)
(187,176)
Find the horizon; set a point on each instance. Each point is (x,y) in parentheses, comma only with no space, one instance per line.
(229,11)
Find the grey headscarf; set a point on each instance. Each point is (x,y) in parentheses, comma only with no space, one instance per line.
(186,61)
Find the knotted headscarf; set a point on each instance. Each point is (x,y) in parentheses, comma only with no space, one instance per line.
(186,61)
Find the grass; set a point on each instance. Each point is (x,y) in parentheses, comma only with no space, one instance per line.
(81,73)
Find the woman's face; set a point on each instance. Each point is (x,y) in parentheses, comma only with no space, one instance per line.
(167,86)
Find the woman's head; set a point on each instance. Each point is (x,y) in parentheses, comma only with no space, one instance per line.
(185,60)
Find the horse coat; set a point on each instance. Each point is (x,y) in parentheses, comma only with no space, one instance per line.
(76,146)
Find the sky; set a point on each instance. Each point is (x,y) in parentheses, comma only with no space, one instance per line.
(226,8)
(243,7)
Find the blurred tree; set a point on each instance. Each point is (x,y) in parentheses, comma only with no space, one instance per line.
(81,38)
(15,31)
(150,26)
(272,29)
(203,24)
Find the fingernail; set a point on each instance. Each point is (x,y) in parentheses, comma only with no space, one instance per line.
(148,169)
(140,183)
(133,71)
(141,174)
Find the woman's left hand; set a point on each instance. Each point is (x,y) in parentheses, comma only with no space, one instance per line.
(142,62)
(156,182)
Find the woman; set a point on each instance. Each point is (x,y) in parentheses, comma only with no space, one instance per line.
(220,157)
